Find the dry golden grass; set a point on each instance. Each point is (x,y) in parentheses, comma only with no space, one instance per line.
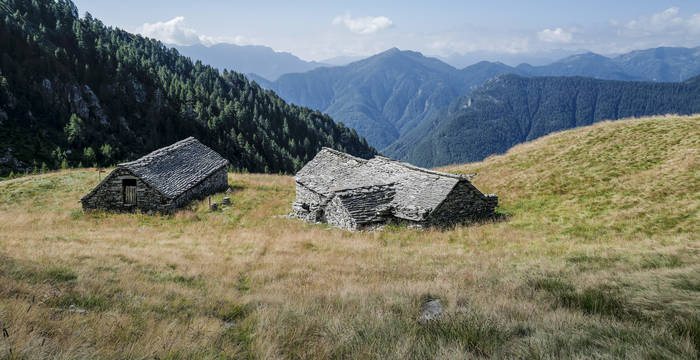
(599,257)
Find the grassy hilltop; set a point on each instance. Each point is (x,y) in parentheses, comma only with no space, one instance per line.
(599,257)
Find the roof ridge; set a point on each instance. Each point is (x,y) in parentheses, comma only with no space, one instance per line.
(160,152)
(345,155)
(420,169)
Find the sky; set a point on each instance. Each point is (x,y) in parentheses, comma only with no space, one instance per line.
(318,30)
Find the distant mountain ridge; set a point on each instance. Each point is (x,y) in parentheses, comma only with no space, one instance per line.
(248,59)
(383,96)
(512,109)
(389,94)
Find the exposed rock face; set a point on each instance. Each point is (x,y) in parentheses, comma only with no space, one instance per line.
(161,181)
(83,100)
(354,193)
(11,163)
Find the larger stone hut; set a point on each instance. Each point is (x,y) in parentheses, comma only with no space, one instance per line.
(356,194)
(161,181)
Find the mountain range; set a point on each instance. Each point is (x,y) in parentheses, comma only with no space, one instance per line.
(386,96)
(511,109)
(249,59)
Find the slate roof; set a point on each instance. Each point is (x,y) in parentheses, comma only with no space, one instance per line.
(418,191)
(174,169)
(325,172)
(367,204)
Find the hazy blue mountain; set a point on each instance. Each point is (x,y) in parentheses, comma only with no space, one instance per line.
(537,59)
(382,97)
(260,60)
(511,109)
(661,64)
(588,65)
(342,60)
(387,95)
(664,64)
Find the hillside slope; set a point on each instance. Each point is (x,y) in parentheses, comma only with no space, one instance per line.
(510,109)
(597,258)
(73,91)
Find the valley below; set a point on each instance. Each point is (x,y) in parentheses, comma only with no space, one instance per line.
(596,256)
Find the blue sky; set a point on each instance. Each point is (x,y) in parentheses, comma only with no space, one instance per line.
(315,30)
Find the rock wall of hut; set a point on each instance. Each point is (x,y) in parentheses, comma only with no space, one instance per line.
(353,209)
(109,195)
(309,205)
(216,182)
(464,202)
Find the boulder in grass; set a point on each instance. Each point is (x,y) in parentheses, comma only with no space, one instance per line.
(432,310)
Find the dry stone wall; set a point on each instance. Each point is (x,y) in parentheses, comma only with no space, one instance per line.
(109,195)
(216,182)
(355,208)
(309,205)
(465,202)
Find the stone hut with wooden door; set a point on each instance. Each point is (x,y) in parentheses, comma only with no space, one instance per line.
(356,194)
(161,181)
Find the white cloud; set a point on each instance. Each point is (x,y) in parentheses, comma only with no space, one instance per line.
(557,35)
(363,25)
(667,22)
(175,32)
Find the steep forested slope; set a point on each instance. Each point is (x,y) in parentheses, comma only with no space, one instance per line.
(510,109)
(73,91)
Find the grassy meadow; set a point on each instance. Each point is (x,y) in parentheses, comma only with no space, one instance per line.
(598,256)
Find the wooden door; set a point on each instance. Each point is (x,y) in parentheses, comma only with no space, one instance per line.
(129,190)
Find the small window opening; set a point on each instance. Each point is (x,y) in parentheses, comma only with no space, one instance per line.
(129,191)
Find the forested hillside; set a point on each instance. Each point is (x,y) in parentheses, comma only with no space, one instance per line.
(75,92)
(510,109)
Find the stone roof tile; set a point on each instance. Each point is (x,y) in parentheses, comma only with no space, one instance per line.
(174,169)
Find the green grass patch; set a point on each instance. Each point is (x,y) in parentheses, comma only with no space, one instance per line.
(89,301)
(175,305)
(190,281)
(243,283)
(593,262)
(658,261)
(552,285)
(61,274)
(688,283)
(241,334)
(310,246)
(230,311)
(470,331)
(30,272)
(689,327)
(602,300)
